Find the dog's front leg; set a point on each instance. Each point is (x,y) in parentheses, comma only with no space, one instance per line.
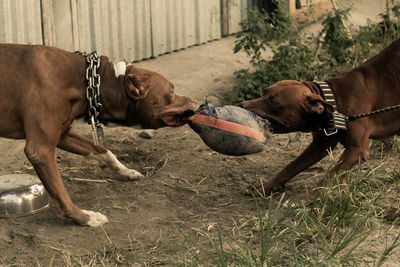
(74,143)
(43,160)
(317,150)
(356,150)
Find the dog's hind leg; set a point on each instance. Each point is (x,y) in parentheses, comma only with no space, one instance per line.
(356,150)
(74,143)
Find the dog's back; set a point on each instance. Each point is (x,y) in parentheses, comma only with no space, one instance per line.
(375,84)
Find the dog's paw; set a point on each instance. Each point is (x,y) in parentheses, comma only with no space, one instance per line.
(130,174)
(302,198)
(96,219)
(263,190)
(110,164)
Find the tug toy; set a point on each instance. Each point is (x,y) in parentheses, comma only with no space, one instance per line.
(229,130)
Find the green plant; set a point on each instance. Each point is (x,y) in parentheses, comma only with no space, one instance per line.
(263,28)
(337,37)
(268,232)
(333,230)
(387,29)
(298,55)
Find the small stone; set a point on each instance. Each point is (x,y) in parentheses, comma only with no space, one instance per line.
(147,134)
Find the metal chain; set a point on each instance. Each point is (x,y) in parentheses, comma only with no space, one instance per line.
(93,96)
(372,113)
(93,88)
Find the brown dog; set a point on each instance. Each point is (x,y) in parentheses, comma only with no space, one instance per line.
(300,106)
(43,89)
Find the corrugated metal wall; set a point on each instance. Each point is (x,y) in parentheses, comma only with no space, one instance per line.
(20,21)
(140,29)
(121,29)
(178,24)
(237,12)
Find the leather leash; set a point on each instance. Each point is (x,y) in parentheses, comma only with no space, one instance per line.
(372,113)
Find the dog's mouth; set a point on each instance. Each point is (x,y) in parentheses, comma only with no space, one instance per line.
(275,127)
(174,119)
(274,123)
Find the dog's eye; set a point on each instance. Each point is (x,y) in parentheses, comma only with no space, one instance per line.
(272,101)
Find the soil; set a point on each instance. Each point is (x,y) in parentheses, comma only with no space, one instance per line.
(188,187)
(189,190)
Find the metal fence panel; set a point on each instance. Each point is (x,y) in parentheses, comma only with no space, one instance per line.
(237,13)
(208,20)
(119,28)
(141,29)
(58,24)
(122,29)
(20,22)
(178,24)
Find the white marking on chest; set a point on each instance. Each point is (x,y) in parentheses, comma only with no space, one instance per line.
(119,68)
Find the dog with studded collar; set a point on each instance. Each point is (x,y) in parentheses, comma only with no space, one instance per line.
(359,96)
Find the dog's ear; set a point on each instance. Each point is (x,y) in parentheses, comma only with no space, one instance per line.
(316,104)
(135,86)
(313,87)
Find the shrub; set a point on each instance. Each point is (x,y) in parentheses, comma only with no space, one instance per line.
(299,55)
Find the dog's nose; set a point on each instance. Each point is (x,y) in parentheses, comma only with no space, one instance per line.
(192,103)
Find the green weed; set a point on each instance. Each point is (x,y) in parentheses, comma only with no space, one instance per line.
(333,230)
(298,55)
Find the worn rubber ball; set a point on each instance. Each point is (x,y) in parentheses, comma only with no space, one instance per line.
(229,130)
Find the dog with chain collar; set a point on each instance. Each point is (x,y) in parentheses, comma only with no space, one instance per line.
(44,89)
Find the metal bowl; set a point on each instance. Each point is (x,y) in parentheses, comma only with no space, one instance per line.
(21,194)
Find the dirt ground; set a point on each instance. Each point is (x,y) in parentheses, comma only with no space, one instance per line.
(189,190)
(187,186)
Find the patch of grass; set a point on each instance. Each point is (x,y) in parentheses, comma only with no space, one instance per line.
(254,246)
(333,230)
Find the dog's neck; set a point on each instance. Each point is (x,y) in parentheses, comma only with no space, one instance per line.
(117,106)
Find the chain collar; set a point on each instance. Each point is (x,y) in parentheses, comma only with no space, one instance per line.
(93,96)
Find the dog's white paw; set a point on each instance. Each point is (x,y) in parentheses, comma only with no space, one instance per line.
(112,165)
(131,174)
(96,218)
